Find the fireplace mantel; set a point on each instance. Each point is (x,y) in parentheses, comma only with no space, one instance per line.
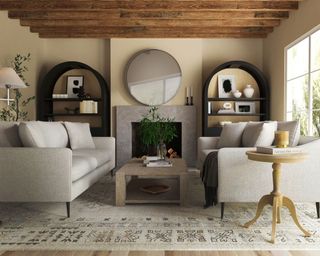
(126,115)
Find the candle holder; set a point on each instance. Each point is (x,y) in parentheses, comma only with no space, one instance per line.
(187,101)
(282,139)
(191,100)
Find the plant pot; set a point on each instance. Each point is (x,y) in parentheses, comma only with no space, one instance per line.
(162,150)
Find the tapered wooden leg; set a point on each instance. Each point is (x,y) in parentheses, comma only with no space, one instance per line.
(289,204)
(265,200)
(279,215)
(222,210)
(120,189)
(68,209)
(275,211)
(318,209)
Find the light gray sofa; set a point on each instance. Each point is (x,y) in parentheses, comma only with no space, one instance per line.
(44,174)
(243,180)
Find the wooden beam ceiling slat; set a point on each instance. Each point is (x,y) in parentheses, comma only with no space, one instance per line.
(152,23)
(115,14)
(146,5)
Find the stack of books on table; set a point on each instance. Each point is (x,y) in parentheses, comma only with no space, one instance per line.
(278,151)
(159,163)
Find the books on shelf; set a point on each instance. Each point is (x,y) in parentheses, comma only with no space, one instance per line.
(159,163)
(278,151)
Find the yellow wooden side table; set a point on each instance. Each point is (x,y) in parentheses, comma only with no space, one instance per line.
(275,198)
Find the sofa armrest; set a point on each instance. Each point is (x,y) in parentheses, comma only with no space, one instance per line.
(108,143)
(205,143)
(35,174)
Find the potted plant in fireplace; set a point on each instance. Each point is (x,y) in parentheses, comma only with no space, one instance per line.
(155,131)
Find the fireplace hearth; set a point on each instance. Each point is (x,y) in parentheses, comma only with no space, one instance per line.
(127,115)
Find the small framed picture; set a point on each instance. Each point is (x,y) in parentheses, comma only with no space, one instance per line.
(226,85)
(245,107)
(73,85)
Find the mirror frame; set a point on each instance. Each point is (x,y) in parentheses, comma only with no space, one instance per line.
(131,60)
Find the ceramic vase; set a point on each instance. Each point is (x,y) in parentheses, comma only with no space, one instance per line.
(248,91)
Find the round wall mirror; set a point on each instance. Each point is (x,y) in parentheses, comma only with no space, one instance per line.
(153,77)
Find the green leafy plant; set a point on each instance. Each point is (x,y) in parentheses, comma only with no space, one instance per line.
(16,109)
(154,129)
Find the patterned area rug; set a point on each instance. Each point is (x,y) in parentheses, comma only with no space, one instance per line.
(96,224)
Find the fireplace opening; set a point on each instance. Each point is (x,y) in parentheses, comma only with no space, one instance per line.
(139,150)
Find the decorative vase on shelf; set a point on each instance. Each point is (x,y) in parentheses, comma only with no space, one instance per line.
(248,91)
(237,94)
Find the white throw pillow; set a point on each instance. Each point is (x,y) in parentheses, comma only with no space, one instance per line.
(43,134)
(294,131)
(231,135)
(79,135)
(259,134)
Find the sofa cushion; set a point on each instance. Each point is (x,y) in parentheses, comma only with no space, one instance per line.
(43,134)
(79,135)
(259,134)
(231,135)
(9,134)
(100,155)
(81,166)
(294,131)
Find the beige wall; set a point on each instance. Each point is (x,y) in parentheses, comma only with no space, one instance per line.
(46,53)
(300,22)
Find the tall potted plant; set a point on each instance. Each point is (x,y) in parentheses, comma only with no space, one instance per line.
(155,130)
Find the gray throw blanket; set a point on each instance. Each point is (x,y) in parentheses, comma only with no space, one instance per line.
(209,176)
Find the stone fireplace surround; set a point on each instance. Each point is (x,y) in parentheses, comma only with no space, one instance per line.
(126,115)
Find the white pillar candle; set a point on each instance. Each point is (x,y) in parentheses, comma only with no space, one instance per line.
(191,91)
(188,92)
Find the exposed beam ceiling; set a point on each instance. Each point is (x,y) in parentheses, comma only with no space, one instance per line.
(148,18)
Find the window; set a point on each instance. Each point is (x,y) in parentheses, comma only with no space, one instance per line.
(303,82)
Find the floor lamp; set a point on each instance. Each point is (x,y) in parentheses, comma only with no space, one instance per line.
(9,79)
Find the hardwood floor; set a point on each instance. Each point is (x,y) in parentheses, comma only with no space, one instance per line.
(159,253)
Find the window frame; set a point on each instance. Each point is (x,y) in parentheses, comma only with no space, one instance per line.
(309,73)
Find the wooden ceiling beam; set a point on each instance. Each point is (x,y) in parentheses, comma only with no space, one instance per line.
(165,14)
(90,5)
(131,31)
(143,35)
(151,23)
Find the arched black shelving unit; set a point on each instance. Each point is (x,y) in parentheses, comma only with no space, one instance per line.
(263,98)
(45,101)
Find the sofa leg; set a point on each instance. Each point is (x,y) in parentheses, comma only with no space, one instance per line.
(68,209)
(318,209)
(222,210)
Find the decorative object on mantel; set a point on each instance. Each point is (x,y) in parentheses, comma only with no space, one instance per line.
(153,77)
(14,78)
(189,96)
(226,85)
(248,91)
(156,131)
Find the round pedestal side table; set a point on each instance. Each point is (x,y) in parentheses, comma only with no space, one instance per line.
(275,198)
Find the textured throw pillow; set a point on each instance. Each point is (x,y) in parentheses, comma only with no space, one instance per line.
(231,135)
(9,134)
(79,135)
(259,134)
(294,131)
(43,134)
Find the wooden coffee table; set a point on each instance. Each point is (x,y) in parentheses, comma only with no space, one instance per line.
(133,175)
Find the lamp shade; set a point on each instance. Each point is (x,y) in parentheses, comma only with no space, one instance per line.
(10,79)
